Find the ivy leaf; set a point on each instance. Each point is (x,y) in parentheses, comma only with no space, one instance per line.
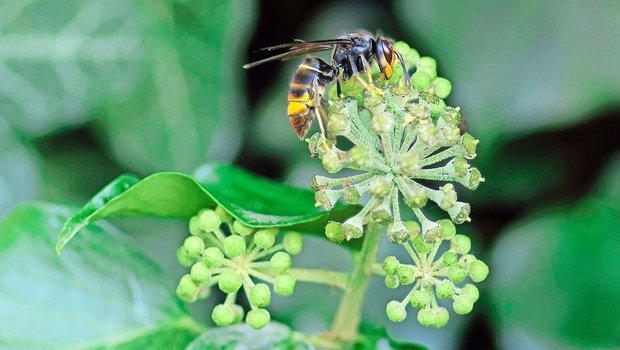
(60,59)
(190,102)
(103,292)
(255,201)
(555,275)
(274,336)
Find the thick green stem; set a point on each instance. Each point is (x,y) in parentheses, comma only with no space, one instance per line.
(349,314)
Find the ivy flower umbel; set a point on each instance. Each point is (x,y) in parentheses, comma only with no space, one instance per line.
(402,139)
(238,259)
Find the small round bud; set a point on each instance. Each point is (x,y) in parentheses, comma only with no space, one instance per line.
(200,273)
(473,179)
(441,317)
(193,246)
(395,311)
(229,282)
(351,195)
(413,228)
(420,299)
(457,272)
(467,259)
(234,245)
(437,109)
(478,271)
(448,200)
(421,246)
(194,229)
(459,213)
(187,290)
(471,291)
(260,295)
(258,318)
(293,243)
(442,87)
(241,229)
(333,231)
(223,315)
(409,164)
(415,198)
(445,289)
(460,244)
(405,274)
(448,228)
(382,213)
(352,229)
(183,258)
(451,135)
(449,258)
(325,199)
(380,187)
(432,232)
(426,317)
(208,220)
(213,257)
(452,116)
(358,158)
(390,265)
(460,166)
(338,124)
(281,262)
(223,215)
(421,80)
(382,122)
(426,61)
(427,133)
(284,285)
(238,312)
(462,305)
(265,238)
(331,161)
(469,145)
(410,55)
(398,233)
(391,281)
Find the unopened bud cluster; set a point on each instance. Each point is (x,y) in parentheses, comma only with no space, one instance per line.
(222,251)
(403,137)
(434,276)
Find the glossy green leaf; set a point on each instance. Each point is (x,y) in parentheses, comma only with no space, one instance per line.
(190,101)
(102,293)
(274,336)
(60,59)
(256,201)
(555,275)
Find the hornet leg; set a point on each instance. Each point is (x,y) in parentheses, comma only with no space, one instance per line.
(356,74)
(317,105)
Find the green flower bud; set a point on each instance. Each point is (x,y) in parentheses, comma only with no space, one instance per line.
(358,158)
(448,200)
(449,258)
(223,315)
(193,246)
(382,122)
(427,132)
(238,312)
(460,166)
(281,262)
(194,229)
(460,244)
(372,101)
(409,164)
(420,299)
(467,259)
(284,285)
(333,232)
(431,231)
(421,80)
(437,109)
(414,198)
(457,272)
(352,228)
(426,317)
(241,229)
(223,215)
(442,87)
(331,161)
(448,228)
(452,116)
(183,258)
(213,257)
(421,246)
(234,245)
(451,135)
(390,265)
(478,271)
(260,295)
(326,199)
(258,318)
(413,228)
(473,179)
(459,213)
(380,187)
(391,281)
(265,238)
(426,61)
(436,317)
(395,311)
(469,145)
(441,317)
(229,282)
(187,290)
(338,124)
(398,233)
(208,220)
(471,291)
(293,243)
(462,305)
(200,273)
(405,275)
(410,55)
(445,289)
(382,214)
(351,195)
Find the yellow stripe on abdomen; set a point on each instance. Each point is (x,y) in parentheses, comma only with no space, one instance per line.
(297,108)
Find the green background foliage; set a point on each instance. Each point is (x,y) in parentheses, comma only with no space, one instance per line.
(90,90)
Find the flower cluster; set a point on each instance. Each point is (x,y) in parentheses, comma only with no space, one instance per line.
(224,252)
(434,278)
(402,138)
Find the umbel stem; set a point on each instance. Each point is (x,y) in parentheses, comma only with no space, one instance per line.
(348,317)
